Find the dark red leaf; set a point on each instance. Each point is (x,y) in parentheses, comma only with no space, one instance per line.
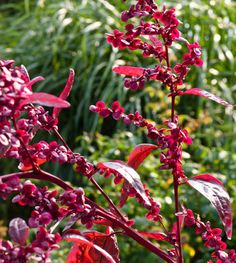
(130,175)
(214,191)
(128,71)
(155,235)
(206,94)
(18,230)
(81,252)
(26,167)
(208,178)
(45,100)
(106,241)
(136,157)
(66,92)
(139,153)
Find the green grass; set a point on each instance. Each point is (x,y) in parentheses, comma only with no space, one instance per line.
(49,37)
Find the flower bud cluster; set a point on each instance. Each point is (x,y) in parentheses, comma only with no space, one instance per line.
(117,112)
(38,251)
(211,237)
(43,152)
(145,38)
(165,25)
(9,185)
(151,205)
(14,86)
(172,158)
(44,202)
(75,202)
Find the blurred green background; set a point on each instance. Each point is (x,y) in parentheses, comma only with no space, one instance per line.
(49,37)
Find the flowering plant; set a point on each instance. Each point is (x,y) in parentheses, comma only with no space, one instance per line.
(21,120)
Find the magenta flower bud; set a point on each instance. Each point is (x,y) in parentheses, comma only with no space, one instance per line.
(127,120)
(93,108)
(45,218)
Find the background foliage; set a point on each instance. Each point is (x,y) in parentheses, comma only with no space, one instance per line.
(49,37)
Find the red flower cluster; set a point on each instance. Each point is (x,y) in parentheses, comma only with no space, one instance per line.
(211,237)
(38,251)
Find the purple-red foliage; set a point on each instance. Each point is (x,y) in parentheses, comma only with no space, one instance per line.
(152,31)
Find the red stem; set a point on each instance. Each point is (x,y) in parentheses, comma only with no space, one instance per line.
(61,139)
(176,184)
(138,238)
(178,233)
(42,175)
(107,198)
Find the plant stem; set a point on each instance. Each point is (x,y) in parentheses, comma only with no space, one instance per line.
(167,56)
(176,185)
(61,139)
(42,175)
(92,180)
(107,198)
(138,237)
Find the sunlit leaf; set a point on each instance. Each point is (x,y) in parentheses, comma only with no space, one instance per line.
(106,241)
(84,250)
(66,91)
(213,190)
(130,175)
(45,99)
(207,95)
(128,71)
(139,153)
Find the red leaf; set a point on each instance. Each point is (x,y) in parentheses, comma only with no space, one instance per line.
(206,94)
(128,71)
(26,167)
(139,153)
(106,241)
(18,230)
(81,252)
(66,91)
(136,157)
(45,100)
(155,235)
(214,191)
(130,175)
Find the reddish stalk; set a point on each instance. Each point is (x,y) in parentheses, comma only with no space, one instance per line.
(139,238)
(176,184)
(61,138)
(107,198)
(92,180)
(42,175)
